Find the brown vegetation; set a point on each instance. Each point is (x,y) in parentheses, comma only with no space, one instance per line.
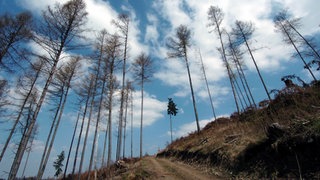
(280,140)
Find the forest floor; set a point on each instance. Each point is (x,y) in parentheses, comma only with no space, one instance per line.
(151,167)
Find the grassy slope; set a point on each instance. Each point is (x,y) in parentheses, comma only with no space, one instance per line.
(246,145)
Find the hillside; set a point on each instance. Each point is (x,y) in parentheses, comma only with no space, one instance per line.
(279,140)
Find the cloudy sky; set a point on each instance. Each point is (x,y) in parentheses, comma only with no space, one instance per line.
(152,21)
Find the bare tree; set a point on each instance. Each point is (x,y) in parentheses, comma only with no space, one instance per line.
(25,87)
(62,86)
(131,118)
(178,49)
(14,30)
(236,55)
(142,70)
(29,148)
(207,85)
(3,100)
(91,104)
(243,32)
(128,84)
(215,16)
(60,27)
(99,58)
(288,29)
(113,51)
(85,92)
(71,143)
(123,25)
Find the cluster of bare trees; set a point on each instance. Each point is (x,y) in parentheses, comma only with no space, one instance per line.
(237,43)
(234,45)
(48,75)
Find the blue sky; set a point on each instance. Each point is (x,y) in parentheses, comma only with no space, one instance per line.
(151,23)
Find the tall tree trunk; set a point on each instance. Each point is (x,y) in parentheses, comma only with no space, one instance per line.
(19,115)
(240,71)
(49,136)
(208,89)
(87,130)
(131,113)
(171,127)
(24,140)
(92,104)
(305,40)
(112,82)
(31,140)
(255,64)
(104,146)
(141,117)
(125,124)
(224,57)
(110,101)
(97,126)
(71,144)
(82,125)
(191,88)
(122,96)
(297,50)
(65,96)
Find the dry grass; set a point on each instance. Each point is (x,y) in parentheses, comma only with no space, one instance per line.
(229,137)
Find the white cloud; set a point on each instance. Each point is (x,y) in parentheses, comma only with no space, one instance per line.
(100,15)
(153,109)
(152,33)
(173,11)
(188,128)
(38,146)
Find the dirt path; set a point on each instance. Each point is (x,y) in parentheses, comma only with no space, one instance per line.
(165,169)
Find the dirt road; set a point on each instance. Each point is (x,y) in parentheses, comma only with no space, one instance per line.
(159,168)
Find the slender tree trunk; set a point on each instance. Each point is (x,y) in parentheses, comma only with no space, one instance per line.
(125,125)
(242,76)
(87,130)
(191,88)
(31,140)
(25,164)
(25,139)
(255,64)
(305,40)
(97,126)
(110,103)
(131,113)
(45,151)
(208,89)
(89,94)
(297,50)
(19,115)
(104,146)
(65,96)
(71,144)
(100,101)
(241,98)
(243,85)
(141,120)
(92,104)
(81,128)
(224,58)
(171,127)
(122,96)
